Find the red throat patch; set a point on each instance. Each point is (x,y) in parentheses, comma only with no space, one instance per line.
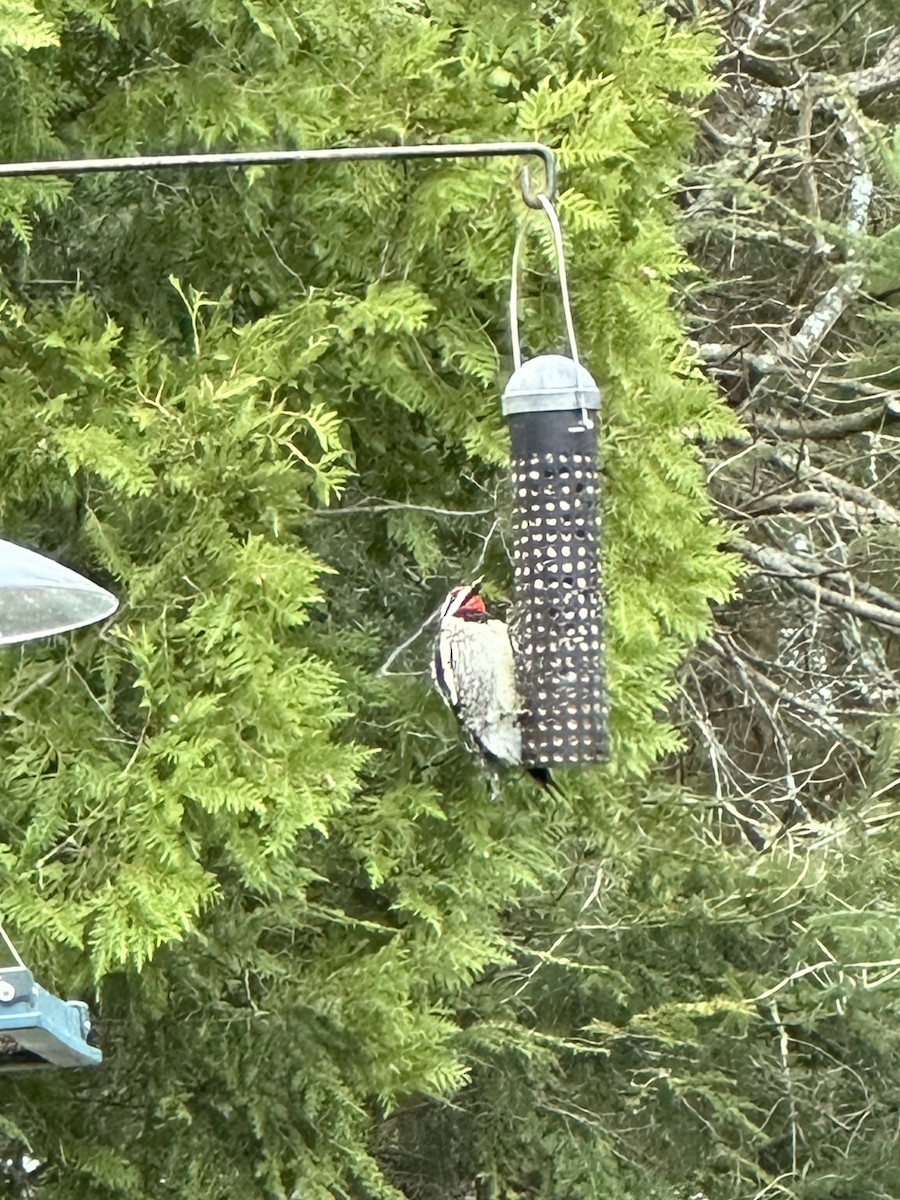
(473,607)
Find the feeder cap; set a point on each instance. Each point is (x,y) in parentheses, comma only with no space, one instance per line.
(550,383)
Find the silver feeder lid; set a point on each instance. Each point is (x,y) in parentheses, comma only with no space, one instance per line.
(550,383)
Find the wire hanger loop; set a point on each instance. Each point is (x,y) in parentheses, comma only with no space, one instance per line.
(10,947)
(543,202)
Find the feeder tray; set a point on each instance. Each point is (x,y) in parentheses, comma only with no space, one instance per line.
(37,1029)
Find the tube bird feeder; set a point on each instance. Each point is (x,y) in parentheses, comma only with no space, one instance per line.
(557,626)
(558,621)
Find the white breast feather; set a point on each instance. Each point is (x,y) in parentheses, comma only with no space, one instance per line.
(480,654)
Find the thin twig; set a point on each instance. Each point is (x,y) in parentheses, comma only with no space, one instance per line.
(392,506)
(384,669)
(780,564)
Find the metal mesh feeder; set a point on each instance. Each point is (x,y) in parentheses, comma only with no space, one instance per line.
(558,614)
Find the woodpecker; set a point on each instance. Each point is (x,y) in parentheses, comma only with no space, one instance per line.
(475,672)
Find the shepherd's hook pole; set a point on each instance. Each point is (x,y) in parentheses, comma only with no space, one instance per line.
(256,158)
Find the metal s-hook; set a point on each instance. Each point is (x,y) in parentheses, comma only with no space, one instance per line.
(533,198)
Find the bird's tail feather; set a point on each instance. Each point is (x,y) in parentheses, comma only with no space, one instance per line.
(544,777)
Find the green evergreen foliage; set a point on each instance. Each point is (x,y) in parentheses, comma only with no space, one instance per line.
(325,963)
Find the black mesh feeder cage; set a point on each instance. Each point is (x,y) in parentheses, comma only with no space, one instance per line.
(550,404)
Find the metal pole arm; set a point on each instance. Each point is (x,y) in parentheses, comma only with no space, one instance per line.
(252,158)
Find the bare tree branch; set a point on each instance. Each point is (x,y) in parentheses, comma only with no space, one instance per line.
(726,358)
(790,502)
(873,82)
(782,192)
(818,324)
(826,429)
(786,73)
(785,565)
(863,498)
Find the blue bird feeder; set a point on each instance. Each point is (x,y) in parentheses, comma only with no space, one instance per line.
(37,1029)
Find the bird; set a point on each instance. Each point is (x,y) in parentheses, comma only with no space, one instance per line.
(474,670)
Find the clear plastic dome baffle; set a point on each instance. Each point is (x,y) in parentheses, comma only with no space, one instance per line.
(38,597)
